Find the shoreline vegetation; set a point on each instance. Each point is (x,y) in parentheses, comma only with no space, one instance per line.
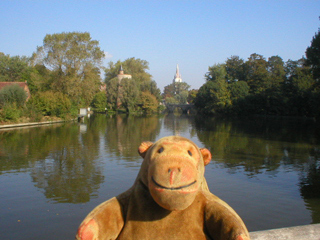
(46,86)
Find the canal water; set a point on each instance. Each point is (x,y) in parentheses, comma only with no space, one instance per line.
(51,177)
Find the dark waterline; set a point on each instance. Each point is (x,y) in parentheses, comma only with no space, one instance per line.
(51,177)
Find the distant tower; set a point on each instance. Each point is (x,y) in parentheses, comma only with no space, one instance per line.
(177,78)
(121,74)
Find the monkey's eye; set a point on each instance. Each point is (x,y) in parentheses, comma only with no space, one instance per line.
(160,150)
(189,152)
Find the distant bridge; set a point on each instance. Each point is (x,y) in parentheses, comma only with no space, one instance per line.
(184,107)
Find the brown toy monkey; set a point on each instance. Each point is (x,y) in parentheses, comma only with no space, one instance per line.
(170,199)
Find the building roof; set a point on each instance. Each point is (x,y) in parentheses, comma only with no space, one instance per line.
(21,84)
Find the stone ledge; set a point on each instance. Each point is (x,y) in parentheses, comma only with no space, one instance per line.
(307,232)
(17,125)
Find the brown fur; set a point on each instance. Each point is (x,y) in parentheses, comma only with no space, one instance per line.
(170,199)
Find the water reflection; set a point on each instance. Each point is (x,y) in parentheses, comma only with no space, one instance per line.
(257,146)
(125,133)
(61,160)
(70,163)
(310,187)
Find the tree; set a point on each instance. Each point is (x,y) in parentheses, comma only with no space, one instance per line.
(238,90)
(127,91)
(217,72)
(137,68)
(112,93)
(128,94)
(235,68)
(257,73)
(14,69)
(149,103)
(99,102)
(169,91)
(75,60)
(192,95)
(313,55)
(213,97)
(277,73)
(176,93)
(152,88)
(51,103)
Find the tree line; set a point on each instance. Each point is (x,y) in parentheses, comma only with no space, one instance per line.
(263,86)
(65,73)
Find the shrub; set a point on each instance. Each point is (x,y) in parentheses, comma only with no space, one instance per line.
(12,94)
(52,103)
(10,112)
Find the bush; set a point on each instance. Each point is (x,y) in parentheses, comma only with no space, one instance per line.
(12,94)
(52,103)
(10,113)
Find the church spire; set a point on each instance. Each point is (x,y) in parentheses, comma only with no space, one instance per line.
(177,77)
(177,72)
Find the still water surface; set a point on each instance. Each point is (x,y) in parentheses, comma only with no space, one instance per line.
(51,177)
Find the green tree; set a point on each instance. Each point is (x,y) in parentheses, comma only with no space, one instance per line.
(75,60)
(149,103)
(217,72)
(112,93)
(137,68)
(238,90)
(51,103)
(213,97)
(257,73)
(176,93)
(152,88)
(14,69)
(313,55)
(214,93)
(40,79)
(169,91)
(127,91)
(99,102)
(192,95)
(128,94)
(277,72)
(235,69)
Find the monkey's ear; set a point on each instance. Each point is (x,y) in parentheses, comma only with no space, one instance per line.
(206,155)
(143,148)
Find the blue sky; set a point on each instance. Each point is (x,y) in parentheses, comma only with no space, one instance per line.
(193,34)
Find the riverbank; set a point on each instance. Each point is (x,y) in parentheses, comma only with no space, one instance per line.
(306,232)
(29,124)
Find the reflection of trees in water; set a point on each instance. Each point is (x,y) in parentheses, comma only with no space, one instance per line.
(125,133)
(20,146)
(310,187)
(70,173)
(264,146)
(13,150)
(62,161)
(257,145)
(177,124)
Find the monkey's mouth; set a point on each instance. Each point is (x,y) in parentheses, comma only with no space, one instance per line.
(172,188)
